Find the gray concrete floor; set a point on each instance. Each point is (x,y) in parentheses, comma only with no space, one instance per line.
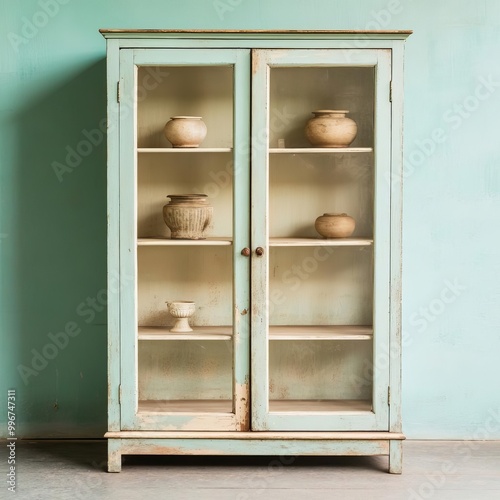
(441,470)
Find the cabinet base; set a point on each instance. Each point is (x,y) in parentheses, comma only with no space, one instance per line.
(255,443)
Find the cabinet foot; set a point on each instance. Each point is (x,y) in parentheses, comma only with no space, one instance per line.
(114,456)
(396,457)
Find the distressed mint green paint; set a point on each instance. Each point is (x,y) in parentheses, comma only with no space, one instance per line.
(53,236)
(130,60)
(380,60)
(204,445)
(266,55)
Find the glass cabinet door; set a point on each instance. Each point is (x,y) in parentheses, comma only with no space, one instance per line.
(320,305)
(171,379)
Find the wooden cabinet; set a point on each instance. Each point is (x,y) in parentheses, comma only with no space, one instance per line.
(295,347)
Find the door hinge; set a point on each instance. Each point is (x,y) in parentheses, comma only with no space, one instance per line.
(117,91)
(390,91)
(120,394)
(389,396)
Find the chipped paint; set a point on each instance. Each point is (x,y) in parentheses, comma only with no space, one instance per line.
(255,61)
(242,405)
(205,377)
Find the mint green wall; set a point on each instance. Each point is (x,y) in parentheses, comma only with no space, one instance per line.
(53,230)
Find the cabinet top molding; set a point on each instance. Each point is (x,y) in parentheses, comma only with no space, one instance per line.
(239,34)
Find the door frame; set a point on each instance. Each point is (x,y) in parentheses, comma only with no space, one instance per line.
(130,59)
(378,418)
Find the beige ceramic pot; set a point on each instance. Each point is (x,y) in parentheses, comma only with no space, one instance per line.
(188,216)
(331,129)
(182,310)
(185,131)
(335,225)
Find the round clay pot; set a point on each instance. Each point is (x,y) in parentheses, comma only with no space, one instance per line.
(188,216)
(331,129)
(185,131)
(335,225)
(182,310)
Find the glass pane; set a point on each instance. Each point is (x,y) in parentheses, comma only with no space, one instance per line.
(320,376)
(320,289)
(320,334)
(296,92)
(183,376)
(167,91)
(185,358)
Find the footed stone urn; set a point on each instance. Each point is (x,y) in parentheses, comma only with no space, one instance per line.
(181,310)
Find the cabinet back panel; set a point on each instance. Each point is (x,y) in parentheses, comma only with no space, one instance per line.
(303,187)
(202,274)
(204,91)
(325,370)
(296,92)
(321,286)
(173,370)
(159,175)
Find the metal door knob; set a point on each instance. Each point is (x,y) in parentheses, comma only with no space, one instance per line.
(245,252)
(259,251)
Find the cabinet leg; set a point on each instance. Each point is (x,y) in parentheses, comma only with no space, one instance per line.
(114,455)
(396,457)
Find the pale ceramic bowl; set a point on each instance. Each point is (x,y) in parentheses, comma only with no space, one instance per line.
(185,131)
(335,225)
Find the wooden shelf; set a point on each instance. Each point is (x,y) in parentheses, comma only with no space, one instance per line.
(184,150)
(277,332)
(198,333)
(258,435)
(318,150)
(319,242)
(273,242)
(275,406)
(320,332)
(271,150)
(311,406)
(186,406)
(169,242)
